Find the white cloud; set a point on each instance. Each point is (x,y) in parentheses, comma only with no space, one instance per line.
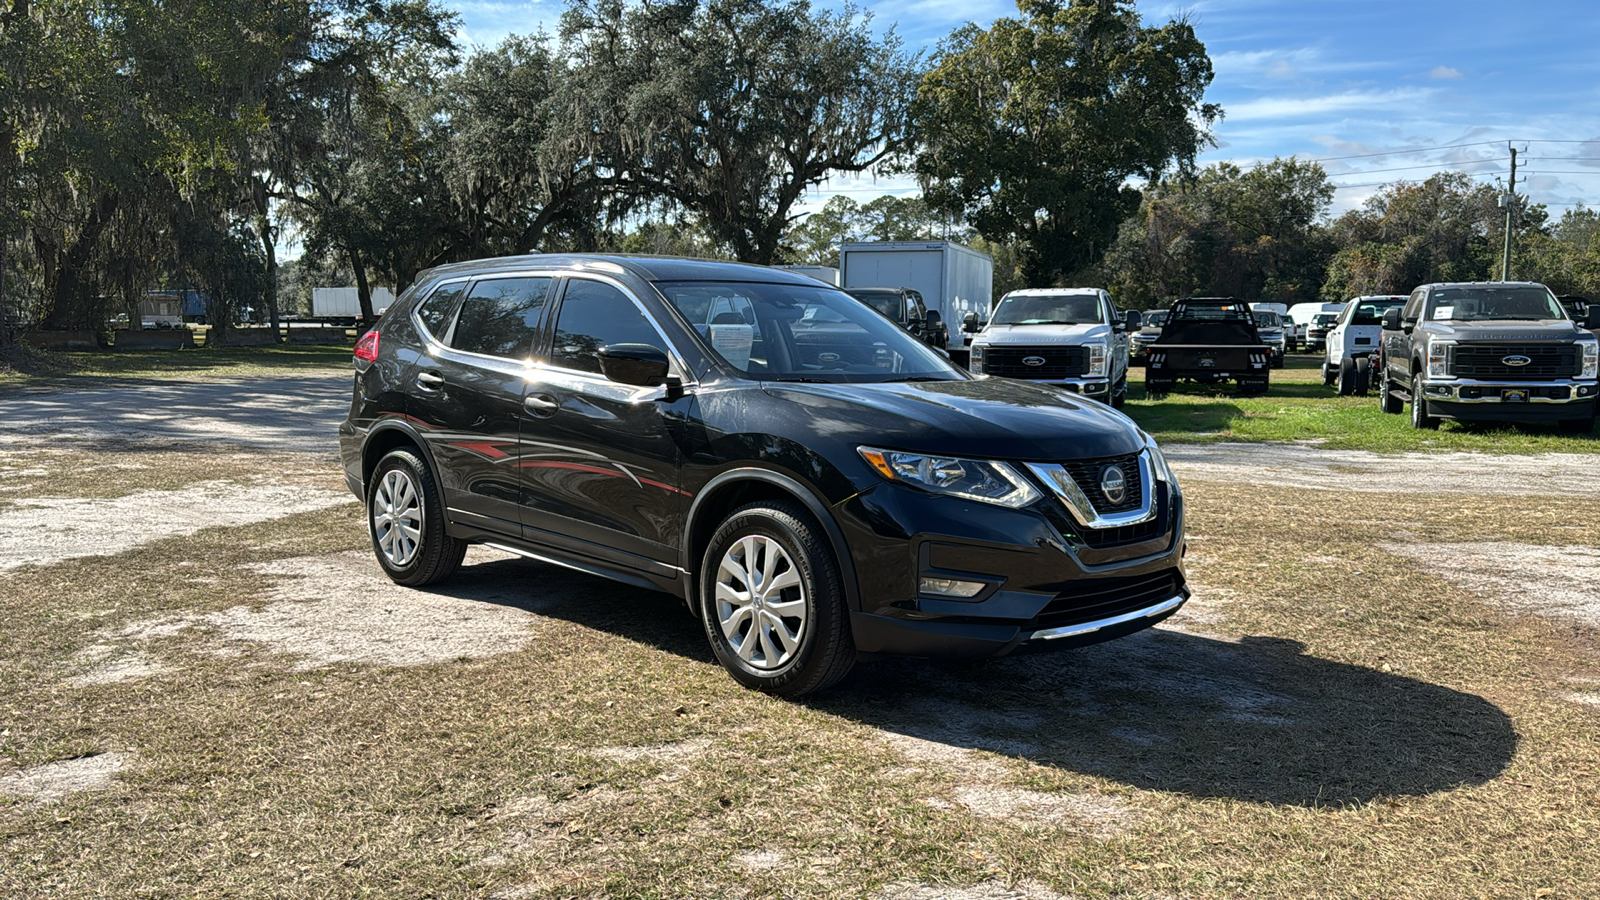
(1304,107)
(1444,72)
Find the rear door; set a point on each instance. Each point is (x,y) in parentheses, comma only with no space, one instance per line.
(468,391)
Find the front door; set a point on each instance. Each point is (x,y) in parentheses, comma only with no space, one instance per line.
(600,460)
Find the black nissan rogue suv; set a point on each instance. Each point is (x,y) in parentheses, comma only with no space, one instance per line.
(812,480)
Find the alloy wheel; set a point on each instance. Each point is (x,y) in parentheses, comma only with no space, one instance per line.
(397,518)
(760,602)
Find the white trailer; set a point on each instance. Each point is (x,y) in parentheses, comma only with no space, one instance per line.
(824,274)
(342,305)
(952,279)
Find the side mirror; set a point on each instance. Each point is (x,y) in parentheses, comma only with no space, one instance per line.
(640,365)
(933,322)
(969,322)
(1391,319)
(1132,320)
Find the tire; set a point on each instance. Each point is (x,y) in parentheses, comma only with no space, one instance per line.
(1577,426)
(1387,401)
(1419,406)
(1363,375)
(1157,388)
(790,643)
(403,490)
(1347,377)
(1276,362)
(1328,374)
(1119,394)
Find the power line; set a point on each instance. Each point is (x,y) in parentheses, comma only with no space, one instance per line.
(1428,166)
(1402,152)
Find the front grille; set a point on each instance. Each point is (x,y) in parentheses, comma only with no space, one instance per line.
(1059,362)
(1100,598)
(1102,538)
(1086,473)
(1485,360)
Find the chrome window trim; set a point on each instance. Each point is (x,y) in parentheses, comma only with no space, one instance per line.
(667,344)
(1060,483)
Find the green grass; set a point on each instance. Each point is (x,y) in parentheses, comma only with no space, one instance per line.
(1299,408)
(101,369)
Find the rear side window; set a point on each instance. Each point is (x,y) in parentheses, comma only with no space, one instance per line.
(435,311)
(501,316)
(595,315)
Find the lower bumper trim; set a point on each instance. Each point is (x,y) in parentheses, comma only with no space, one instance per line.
(1166,606)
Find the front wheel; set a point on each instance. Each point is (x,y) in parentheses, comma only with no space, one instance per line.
(405,517)
(1119,394)
(1328,374)
(1387,401)
(772,601)
(1419,406)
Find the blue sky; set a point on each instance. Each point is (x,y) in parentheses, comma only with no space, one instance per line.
(1379,90)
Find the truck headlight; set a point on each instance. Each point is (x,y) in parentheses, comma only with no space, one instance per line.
(1097,359)
(1439,358)
(975,364)
(1590,351)
(969,479)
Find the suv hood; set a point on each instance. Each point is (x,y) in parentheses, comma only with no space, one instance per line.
(984,418)
(1002,335)
(1505,330)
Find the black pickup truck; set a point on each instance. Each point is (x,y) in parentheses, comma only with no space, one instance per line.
(1489,352)
(1208,340)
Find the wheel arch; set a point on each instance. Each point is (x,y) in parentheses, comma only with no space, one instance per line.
(738,487)
(387,436)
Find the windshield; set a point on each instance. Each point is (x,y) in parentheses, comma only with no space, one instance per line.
(1155,319)
(886,302)
(790,332)
(1326,319)
(1034,309)
(1370,310)
(1266,318)
(1478,303)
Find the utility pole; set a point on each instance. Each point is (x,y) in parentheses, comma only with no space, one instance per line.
(1510,201)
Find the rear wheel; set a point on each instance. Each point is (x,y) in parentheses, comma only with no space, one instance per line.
(772,601)
(1419,406)
(405,517)
(1347,377)
(1363,375)
(1156,388)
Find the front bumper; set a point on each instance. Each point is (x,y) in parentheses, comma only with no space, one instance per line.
(1046,586)
(1549,400)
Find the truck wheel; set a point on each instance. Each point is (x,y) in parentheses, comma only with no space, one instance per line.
(1419,406)
(1577,426)
(1387,401)
(1119,394)
(1157,388)
(772,601)
(1347,377)
(1363,375)
(405,517)
(1328,374)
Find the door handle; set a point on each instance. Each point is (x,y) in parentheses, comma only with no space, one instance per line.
(430,379)
(540,404)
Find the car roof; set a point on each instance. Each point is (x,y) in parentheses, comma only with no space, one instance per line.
(1052,292)
(649,268)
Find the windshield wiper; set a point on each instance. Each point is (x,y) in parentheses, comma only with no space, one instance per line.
(1046,322)
(907,378)
(803,379)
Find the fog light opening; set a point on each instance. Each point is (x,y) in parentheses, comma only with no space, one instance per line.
(950,587)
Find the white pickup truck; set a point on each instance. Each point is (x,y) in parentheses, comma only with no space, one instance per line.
(1068,337)
(1351,342)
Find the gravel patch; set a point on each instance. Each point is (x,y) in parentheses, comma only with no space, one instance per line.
(1101,816)
(50,531)
(298,414)
(1312,468)
(50,782)
(760,860)
(673,752)
(1556,582)
(341,608)
(109,664)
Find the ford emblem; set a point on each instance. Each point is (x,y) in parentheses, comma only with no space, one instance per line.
(828,357)
(1033,360)
(1515,360)
(1114,484)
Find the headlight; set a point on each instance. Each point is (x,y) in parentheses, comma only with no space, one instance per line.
(1097,360)
(1591,359)
(970,479)
(1439,358)
(976,362)
(1158,463)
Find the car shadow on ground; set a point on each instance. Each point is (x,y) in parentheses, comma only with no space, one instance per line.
(1255,719)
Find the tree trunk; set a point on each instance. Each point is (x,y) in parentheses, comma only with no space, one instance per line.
(269,241)
(363,290)
(66,308)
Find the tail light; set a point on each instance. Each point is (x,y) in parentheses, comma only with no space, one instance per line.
(367,346)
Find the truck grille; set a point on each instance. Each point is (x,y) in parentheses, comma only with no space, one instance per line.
(1486,360)
(1059,362)
(1099,598)
(1086,473)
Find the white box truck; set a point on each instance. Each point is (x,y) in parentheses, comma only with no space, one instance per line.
(953,280)
(824,274)
(342,305)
